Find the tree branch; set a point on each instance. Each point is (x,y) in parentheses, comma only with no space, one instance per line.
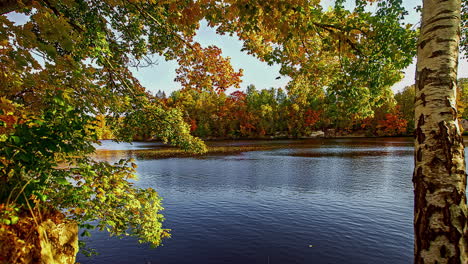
(333,29)
(7,6)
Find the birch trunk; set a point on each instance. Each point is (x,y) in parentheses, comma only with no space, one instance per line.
(440,210)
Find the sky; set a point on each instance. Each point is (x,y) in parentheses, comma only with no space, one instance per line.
(161,75)
(263,76)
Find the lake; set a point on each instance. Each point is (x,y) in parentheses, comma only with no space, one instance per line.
(303,201)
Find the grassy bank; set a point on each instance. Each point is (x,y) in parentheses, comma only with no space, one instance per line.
(212,150)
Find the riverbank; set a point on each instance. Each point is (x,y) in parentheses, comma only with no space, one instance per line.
(217,147)
(170,152)
(328,133)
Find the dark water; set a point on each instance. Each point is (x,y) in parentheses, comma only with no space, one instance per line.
(316,201)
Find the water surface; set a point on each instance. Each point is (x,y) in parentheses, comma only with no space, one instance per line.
(307,201)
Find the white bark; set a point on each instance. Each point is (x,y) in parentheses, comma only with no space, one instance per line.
(439,178)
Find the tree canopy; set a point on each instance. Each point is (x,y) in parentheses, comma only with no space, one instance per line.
(353,56)
(70,62)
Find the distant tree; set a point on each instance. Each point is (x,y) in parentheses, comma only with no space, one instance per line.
(354,55)
(462,98)
(405,103)
(160,95)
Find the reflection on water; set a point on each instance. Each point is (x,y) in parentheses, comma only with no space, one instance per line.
(111,145)
(352,154)
(303,201)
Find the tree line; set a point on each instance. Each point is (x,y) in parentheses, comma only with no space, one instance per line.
(70,62)
(280,113)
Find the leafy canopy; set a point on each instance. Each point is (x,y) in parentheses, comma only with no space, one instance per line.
(71,60)
(353,56)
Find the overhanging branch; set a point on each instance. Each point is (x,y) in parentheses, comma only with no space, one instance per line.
(7,6)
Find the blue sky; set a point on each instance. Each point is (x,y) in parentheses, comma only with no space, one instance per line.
(161,76)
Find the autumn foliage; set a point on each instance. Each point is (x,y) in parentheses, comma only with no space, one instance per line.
(204,69)
(68,67)
(274,113)
(391,125)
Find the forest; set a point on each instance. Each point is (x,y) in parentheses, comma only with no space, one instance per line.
(66,82)
(279,113)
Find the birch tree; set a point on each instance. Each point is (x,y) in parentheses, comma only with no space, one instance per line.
(440,212)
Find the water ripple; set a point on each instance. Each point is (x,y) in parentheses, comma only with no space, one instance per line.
(316,201)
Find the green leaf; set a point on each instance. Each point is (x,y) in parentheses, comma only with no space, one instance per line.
(85,234)
(39,122)
(62,181)
(15,139)
(59,101)
(14,219)
(87,226)
(42,197)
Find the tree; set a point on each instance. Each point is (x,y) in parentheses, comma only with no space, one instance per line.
(462,98)
(72,59)
(405,103)
(300,37)
(204,68)
(440,212)
(66,65)
(355,55)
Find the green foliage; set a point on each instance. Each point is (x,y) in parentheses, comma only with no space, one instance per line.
(45,164)
(405,103)
(354,55)
(156,122)
(104,194)
(9,214)
(273,113)
(462,98)
(70,63)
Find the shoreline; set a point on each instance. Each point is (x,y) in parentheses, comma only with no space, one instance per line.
(167,151)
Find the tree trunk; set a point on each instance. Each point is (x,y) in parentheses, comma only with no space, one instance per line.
(440,210)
